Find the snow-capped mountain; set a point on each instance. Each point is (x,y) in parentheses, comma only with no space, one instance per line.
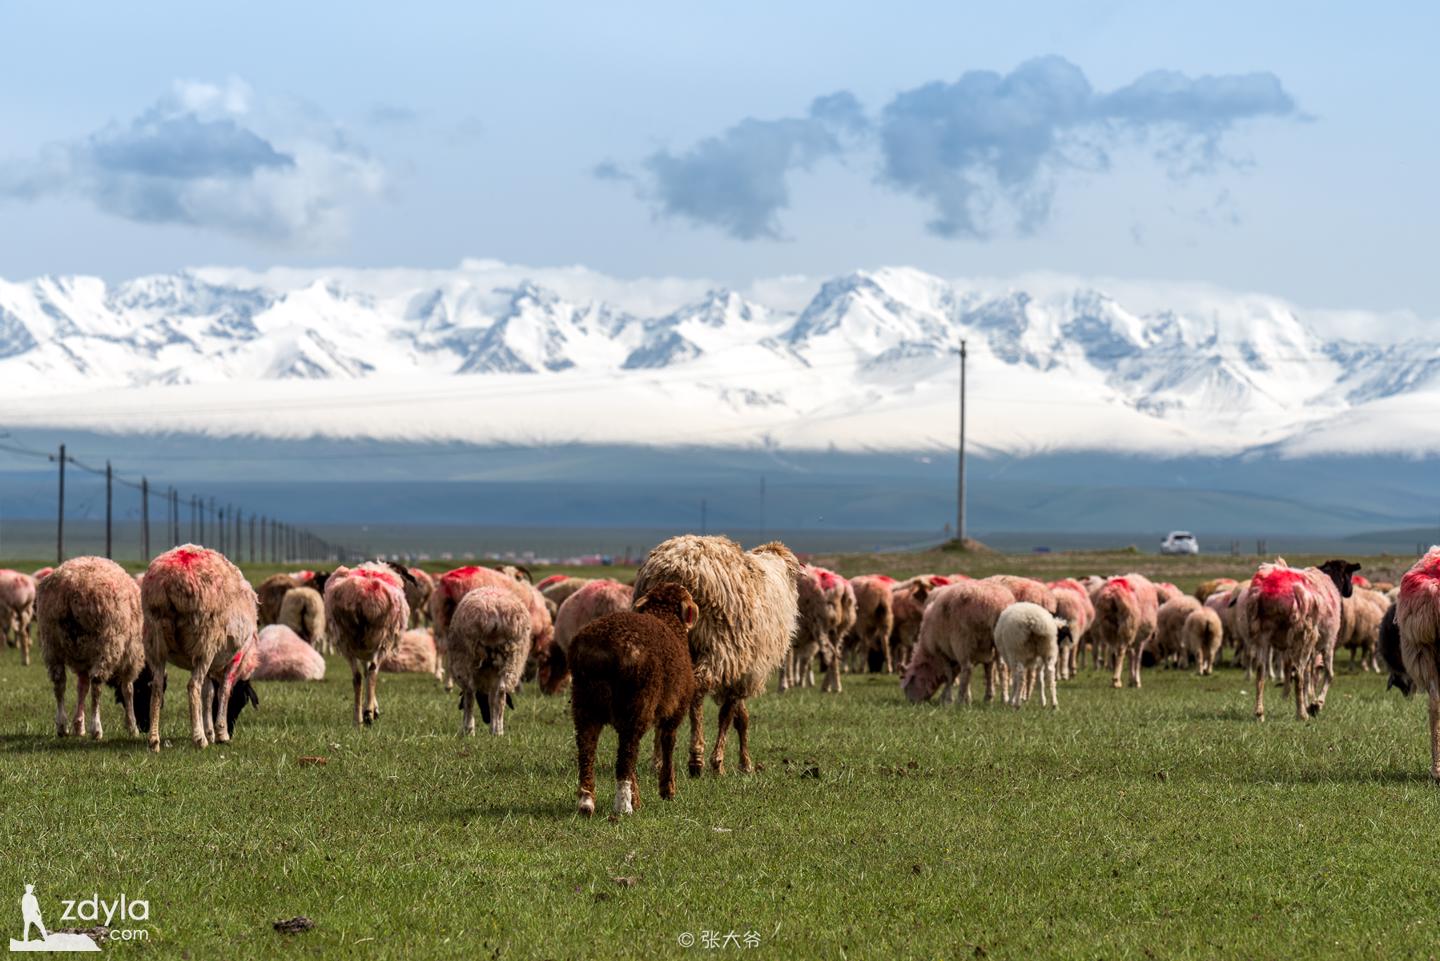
(490,353)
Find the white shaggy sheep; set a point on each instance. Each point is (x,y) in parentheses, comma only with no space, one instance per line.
(88,614)
(1027,638)
(747,602)
(489,643)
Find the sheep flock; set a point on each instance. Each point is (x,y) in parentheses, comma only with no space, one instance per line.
(702,619)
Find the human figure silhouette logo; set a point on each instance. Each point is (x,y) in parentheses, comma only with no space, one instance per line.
(60,941)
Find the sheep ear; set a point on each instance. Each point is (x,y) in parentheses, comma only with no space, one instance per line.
(640,602)
(689,613)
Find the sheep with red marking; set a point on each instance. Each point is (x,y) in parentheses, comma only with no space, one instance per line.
(1026,590)
(88,620)
(1072,602)
(1202,635)
(1125,612)
(747,603)
(957,632)
(490,640)
(1165,592)
(365,614)
(869,638)
(593,600)
(633,671)
(1028,639)
(282,655)
(826,605)
(907,604)
(557,588)
(199,614)
(1295,615)
(841,614)
(303,611)
(17,609)
(1414,628)
(455,584)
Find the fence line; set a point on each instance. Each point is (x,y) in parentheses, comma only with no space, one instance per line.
(279,541)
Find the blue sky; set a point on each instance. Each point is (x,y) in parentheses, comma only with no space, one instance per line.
(670,139)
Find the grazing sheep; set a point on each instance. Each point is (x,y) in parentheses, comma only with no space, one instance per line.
(907,604)
(1026,589)
(271,594)
(1169,646)
(874,621)
(199,613)
(1072,602)
(1202,635)
(747,602)
(489,643)
(633,671)
(956,633)
(454,585)
(88,619)
(1417,621)
(1125,612)
(826,605)
(1212,587)
(415,654)
(303,611)
(1295,615)
(417,595)
(1028,639)
(17,608)
(365,614)
(593,600)
(1392,655)
(558,587)
(282,655)
(242,693)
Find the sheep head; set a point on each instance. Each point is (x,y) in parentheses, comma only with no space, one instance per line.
(1342,573)
(672,600)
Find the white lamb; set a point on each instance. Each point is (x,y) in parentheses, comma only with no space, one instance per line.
(1028,637)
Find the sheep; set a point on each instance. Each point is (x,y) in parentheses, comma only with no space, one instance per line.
(242,693)
(907,603)
(271,594)
(1360,626)
(559,587)
(632,670)
(1165,591)
(1026,589)
(454,585)
(840,618)
(1028,639)
(747,602)
(199,613)
(956,633)
(489,638)
(1125,612)
(1169,643)
(1213,586)
(1416,620)
(365,614)
(303,611)
(17,608)
(593,600)
(282,655)
(826,605)
(88,620)
(1072,602)
(417,595)
(415,654)
(1295,614)
(1202,635)
(45,572)
(869,638)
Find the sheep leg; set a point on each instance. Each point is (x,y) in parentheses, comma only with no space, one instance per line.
(199,707)
(947,693)
(697,735)
(722,730)
(57,680)
(742,732)
(372,692)
(82,687)
(127,697)
(832,676)
(1118,679)
(97,732)
(665,742)
(989,680)
(467,711)
(222,711)
(587,737)
(1135,657)
(157,696)
(627,793)
(24,641)
(357,678)
(783,683)
(963,682)
(1327,670)
(207,712)
(497,713)
(1300,674)
(1434,731)
(1017,685)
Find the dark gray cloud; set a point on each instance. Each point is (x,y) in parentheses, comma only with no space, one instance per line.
(738,181)
(984,151)
(198,157)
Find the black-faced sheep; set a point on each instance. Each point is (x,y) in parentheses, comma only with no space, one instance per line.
(365,614)
(489,643)
(199,614)
(88,617)
(1028,639)
(747,603)
(1295,614)
(632,670)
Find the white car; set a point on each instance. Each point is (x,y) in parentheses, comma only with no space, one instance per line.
(1180,542)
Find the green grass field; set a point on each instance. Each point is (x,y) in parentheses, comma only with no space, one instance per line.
(1158,823)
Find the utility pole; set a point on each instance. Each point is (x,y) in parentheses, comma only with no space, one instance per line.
(109,512)
(145,520)
(960,483)
(60,517)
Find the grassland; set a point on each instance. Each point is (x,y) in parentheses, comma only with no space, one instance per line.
(1158,823)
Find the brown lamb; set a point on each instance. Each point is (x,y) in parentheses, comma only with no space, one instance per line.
(632,670)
